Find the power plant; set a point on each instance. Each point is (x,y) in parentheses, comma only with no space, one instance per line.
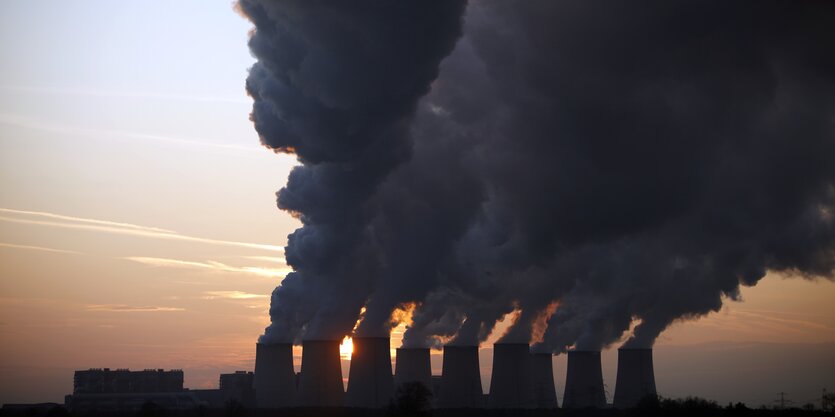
(542,377)
(275,381)
(636,378)
(370,383)
(461,379)
(412,365)
(320,382)
(584,380)
(520,379)
(511,381)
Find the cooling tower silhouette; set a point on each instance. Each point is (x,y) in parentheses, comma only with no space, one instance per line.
(461,381)
(413,366)
(320,382)
(510,383)
(370,383)
(636,378)
(275,384)
(584,381)
(542,386)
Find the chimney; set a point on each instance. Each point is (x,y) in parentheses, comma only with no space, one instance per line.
(275,385)
(370,383)
(461,381)
(584,380)
(510,384)
(542,377)
(320,383)
(636,378)
(413,366)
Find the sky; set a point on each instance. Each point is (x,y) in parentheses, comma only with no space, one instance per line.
(139,227)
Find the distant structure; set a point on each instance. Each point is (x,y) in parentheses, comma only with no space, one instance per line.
(413,365)
(104,380)
(542,376)
(511,381)
(274,381)
(636,378)
(370,383)
(460,379)
(584,380)
(122,390)
(320,382)
(520,380)
(235,387)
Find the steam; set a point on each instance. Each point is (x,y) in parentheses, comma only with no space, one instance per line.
(590,165)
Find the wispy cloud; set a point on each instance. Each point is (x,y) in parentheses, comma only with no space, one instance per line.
(271,259)
(70,222)
(124,94)
(209,265)
(124,308)
(37,248)
(20,121)
(233,295)
(84,220)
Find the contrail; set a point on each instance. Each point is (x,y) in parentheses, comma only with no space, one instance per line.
(38,248)
(209,265)
(125,229)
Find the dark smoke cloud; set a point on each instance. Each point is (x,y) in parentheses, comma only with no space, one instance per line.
(628,163)
(337,84)
(648,163)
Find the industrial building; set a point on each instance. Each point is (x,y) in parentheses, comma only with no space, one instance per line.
(584,381)
(121,390)
(370,382)
(105,380)
(636,377)
(520,380)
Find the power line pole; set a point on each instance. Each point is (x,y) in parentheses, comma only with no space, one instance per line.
(782,400)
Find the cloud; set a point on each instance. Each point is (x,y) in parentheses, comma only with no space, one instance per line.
(122,228)
(275,259)
(38,248)
(124,308)
(83,220)
(123,94)
(209,265)
(233,295)
(21,121)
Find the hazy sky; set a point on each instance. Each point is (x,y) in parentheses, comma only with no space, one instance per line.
(138,225)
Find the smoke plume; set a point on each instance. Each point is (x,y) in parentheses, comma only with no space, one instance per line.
(337,84)
(592,165)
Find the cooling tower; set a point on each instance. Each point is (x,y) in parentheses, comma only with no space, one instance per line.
(461,382)
(275,384)
(584,381)
(636,378)
(542,377)
(412,366)
(320,383)
(510,384)
(370,383)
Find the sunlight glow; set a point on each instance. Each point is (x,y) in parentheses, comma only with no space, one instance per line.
(346,348)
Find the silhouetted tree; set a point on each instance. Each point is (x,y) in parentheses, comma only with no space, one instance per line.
(235,408)
(412,399)
(151,409)
(57,411)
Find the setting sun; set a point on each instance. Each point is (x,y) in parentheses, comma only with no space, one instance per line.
(346,348)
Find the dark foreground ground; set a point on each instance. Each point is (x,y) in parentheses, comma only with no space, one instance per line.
(655,408)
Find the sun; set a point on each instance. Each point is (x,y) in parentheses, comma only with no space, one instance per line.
(346,348)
